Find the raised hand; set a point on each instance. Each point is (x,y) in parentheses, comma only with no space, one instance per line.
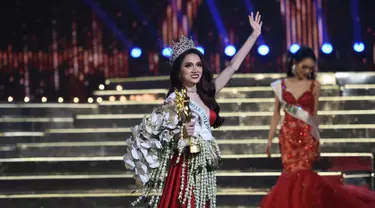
(237,60)
(256,23)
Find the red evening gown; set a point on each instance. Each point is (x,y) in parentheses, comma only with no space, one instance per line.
(299,186)
(169,198)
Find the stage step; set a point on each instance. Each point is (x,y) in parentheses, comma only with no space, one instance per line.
(228,92)
(46,109)
(231,118)
(70,182)
(66,110)
(346,162)
(119,198)
(240,105)
(29,123)
(224,132)
(235,146)
(233,92)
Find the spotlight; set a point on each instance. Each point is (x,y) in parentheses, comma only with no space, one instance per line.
(358,47)
(118,87)
(122,98)
(26,99)
(166,52)
(200,48)
(44,99)
(99,100)
(76,100)
(90,100)
(10,99)
(136,52)
(101,87)
(112,98)
(230,50)
(60,100)
(294,48)
(263,50)
(327,48)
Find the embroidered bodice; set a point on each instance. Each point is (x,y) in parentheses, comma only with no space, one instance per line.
(305,100)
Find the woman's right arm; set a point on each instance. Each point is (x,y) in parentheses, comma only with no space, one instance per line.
(275,119)
(274,122)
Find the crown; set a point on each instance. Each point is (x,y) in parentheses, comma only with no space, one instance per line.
(180,47)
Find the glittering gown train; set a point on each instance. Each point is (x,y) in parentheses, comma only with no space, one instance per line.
(299,186)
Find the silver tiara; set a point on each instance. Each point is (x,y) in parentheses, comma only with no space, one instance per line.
(180,47)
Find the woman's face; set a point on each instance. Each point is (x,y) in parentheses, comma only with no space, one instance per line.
(304,68)
(191,70)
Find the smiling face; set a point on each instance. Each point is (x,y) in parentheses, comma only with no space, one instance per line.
(191,70)
(304,68)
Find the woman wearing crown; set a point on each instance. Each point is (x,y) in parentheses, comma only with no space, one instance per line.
(180,160)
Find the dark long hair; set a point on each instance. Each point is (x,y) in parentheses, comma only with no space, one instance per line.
(205,87)
(303,53)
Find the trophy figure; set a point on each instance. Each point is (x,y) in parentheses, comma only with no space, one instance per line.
(185,116)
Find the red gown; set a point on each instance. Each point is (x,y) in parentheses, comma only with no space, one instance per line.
(169,198)
(299,186)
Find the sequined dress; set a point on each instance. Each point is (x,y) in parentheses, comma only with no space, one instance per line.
(299,186)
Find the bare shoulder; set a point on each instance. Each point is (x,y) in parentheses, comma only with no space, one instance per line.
(287,79)
(316,89)
(316,84)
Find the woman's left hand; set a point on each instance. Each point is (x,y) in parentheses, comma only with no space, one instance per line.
(256,23)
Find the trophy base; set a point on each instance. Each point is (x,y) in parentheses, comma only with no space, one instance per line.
(194,149)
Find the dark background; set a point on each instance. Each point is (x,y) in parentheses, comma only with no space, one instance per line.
(106,30)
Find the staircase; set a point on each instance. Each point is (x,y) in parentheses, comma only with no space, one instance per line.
(70,155)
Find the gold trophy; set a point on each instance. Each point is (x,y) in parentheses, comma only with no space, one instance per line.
(185,115)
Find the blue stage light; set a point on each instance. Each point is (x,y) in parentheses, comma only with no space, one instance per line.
(294,48)
(327,48)
(358,47)
(200,48)
(263,50)
(230,50)
(136,52)
(166,52)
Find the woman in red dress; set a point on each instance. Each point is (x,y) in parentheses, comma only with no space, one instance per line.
(190,177)
(299,186)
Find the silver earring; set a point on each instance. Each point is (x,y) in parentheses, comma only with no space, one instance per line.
(294,69)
